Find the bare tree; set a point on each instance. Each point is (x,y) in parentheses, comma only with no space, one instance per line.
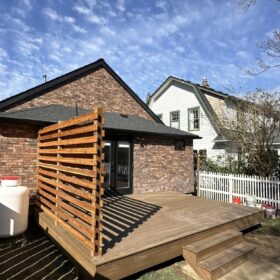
(253,131)
(245,4)
(270,47)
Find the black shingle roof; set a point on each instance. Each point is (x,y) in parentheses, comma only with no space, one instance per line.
(113,121)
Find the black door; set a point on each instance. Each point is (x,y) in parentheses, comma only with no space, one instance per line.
(118,162)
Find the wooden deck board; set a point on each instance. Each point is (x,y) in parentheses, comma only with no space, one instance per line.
(142,230)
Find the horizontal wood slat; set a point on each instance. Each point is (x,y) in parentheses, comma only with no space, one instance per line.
(80,161)
(66,225)
(74,180)
(70,179)
(73,170)
(77,212)
(80,130)
(87,151)
(76,141)
(77,120)
(79,192)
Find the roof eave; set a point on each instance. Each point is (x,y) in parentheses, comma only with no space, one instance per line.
(154,133)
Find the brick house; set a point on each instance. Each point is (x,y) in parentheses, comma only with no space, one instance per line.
(141,153)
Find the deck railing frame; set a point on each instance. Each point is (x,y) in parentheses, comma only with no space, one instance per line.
(70,178)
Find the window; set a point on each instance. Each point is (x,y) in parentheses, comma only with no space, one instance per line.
(179,145)
(194,120)
(175,119)
(159,116)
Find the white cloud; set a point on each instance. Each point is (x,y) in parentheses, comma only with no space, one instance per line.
(3,54)
(52,14)
(90,15)
(121,5)
(79,29)
(82,10)
(96,19)
(242,54)
(107,30)
(180,49)
(162,5)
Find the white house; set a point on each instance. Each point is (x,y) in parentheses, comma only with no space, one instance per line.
(196,108)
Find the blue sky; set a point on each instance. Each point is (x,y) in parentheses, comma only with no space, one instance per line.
(144,41)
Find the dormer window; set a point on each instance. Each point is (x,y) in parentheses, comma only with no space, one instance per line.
(194,119)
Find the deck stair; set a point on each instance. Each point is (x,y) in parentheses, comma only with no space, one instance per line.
(218,254)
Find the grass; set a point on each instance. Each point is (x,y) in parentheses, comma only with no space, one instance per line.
(270,227)
(169,272)
(264,237)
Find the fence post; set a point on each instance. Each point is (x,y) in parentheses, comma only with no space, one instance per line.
(198,176)
(230,187)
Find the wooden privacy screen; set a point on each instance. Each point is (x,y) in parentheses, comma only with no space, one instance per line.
(69,176)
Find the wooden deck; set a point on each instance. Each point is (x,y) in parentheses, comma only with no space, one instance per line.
(143,230)
(33,256)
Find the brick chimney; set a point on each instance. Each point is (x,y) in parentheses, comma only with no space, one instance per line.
(205,82)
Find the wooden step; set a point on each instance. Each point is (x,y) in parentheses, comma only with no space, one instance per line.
(218,254)
(220,264)
(212,245)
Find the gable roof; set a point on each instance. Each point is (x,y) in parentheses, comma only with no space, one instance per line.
(50,114)
(68,77)
(199,91)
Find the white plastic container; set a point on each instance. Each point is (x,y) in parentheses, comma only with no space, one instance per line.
(9,181)
(250,200)
(14,205)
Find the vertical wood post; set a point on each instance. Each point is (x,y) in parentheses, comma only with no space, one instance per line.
(98,192)
(57,198)
(198,176)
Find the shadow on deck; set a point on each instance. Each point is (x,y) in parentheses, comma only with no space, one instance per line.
(33,256)
(122,215)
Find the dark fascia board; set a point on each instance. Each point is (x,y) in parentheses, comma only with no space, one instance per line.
(159,89)
(212,116)
(200,96)
(132,132)
(214,92)
(66,78)
(25,121)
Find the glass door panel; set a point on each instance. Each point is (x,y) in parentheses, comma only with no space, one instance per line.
(107,164)
(123,165)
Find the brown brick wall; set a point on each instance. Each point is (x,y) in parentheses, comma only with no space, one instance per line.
(158,167)
(18,151)
(96,89)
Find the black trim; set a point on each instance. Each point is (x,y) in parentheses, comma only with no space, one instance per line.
(68,77)
(132,132)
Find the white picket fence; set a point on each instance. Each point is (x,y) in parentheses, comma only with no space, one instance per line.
(223,187)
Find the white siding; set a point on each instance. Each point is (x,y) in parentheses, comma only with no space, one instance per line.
(175,98)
